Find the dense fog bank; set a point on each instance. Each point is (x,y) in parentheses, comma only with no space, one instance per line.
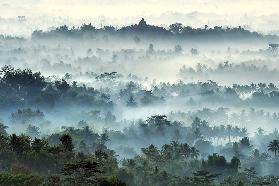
(120,106)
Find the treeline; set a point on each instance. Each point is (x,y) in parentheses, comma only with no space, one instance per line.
(225,72)
(262,94)
(176,30)
(23,88)
(81,157)
(27,161)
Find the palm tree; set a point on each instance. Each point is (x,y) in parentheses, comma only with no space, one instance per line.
(185,150)
(273,146)
(194,153)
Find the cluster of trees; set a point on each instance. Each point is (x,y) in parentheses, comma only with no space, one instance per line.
(176,30)
(183,150)
(228,120)
(229,71)
(27,116)
(27,161)
(210,92)
(23,88)
(225,67)
(29,91)
(202,128)
(67,158)
(87,119)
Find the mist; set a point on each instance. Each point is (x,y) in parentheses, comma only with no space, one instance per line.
(106,100)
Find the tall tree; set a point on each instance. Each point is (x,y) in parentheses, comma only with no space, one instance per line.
(67,143)
(274,146)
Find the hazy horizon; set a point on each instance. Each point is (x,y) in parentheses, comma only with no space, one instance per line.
(41,14)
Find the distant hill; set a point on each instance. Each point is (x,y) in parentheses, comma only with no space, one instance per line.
(174,31)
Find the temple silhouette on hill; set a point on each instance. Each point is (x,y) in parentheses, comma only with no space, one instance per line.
(175,30)
(142,23)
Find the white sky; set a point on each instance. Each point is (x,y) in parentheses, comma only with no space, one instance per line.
(120,8)
(257,14)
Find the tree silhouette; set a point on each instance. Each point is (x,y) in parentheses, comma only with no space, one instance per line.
(67,143)
(19,144)
(3,131)
(235,163)
(274,146)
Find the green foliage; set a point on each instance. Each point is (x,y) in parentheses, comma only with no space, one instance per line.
(19,144)
(81,172)
(23,80)
(25,88)
(20,179)
(172,164)
(111,181)
(203,178)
